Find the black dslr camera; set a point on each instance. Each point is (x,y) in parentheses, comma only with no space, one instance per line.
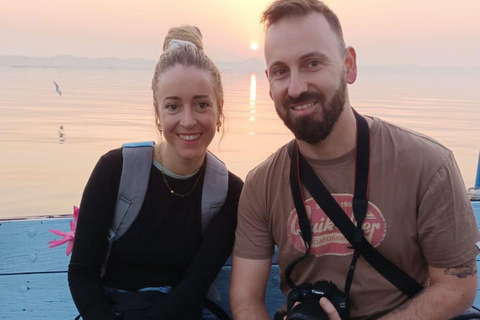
(309,295)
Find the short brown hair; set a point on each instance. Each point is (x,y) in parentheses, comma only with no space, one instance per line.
(281,9)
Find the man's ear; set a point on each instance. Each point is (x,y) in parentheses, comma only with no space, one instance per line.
(351,65)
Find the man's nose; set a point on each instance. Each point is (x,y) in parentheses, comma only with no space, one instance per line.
(297,85)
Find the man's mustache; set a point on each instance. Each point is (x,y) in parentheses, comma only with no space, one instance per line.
(307,96)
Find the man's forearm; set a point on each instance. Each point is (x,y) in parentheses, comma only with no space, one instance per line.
(249,310)
(439,301)
(432,303)
(247,288)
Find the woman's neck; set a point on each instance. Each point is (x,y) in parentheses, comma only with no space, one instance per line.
(169,159)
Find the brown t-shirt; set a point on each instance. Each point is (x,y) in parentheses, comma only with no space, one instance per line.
(418,215)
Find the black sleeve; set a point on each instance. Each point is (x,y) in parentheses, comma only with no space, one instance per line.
(214,250)
(94,219)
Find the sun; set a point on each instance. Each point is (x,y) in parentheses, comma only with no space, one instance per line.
(254,46)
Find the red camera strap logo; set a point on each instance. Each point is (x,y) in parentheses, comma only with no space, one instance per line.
(326,238)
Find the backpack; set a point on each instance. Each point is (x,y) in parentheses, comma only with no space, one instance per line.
(137,162)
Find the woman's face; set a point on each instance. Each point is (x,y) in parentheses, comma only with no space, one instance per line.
(188,111)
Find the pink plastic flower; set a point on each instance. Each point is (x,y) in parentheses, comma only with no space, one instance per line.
(67,236)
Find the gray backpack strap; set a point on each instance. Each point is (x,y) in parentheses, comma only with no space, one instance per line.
(137,162)
(215,188)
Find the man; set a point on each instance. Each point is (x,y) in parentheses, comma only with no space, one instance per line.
(419,216)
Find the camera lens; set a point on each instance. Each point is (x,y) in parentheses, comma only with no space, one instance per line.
(308,310)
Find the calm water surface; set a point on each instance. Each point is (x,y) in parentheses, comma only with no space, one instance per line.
(50,144)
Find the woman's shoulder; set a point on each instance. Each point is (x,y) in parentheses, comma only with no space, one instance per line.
(234,180)
(235,185)
(113,155)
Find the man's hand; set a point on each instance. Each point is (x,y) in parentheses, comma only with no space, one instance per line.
(329,309)
(327,306)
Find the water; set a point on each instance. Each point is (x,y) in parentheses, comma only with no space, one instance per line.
(49,144)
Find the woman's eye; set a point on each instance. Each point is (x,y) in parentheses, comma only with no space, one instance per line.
(171,107)
(202,105)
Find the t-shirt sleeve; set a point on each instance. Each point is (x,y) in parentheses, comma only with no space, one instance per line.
(447,228)
(253,237)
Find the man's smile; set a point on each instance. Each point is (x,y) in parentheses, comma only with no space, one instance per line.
(304,106)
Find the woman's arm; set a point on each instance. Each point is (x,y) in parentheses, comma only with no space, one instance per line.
(214,250)
(95,217)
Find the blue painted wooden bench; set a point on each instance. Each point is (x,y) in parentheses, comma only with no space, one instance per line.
(33,278)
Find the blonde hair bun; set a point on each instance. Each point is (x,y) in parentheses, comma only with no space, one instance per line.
(186,33)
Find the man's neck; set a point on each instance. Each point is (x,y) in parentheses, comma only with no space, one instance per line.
(341,140)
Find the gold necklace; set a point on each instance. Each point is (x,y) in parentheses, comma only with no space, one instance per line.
(168,186)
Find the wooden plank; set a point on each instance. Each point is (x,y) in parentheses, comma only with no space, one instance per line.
(33,278)
(47,296)
(476,210)
(24,247)
(36,296)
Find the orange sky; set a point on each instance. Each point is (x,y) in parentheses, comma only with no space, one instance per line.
(421,32)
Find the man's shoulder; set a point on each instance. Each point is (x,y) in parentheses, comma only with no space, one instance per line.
(405,139)
(278,160)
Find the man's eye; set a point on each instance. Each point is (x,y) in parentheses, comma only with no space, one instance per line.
(279,72)
(314,63)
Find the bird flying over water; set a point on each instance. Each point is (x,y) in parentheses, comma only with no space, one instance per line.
(57,88)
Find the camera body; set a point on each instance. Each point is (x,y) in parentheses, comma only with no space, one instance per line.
(309,296)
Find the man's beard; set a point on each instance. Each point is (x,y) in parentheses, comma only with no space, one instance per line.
(311,128)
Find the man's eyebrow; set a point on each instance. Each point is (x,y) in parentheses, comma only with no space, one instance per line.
(313,54)
(274,64)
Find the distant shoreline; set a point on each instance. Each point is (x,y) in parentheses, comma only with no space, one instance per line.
(67,61)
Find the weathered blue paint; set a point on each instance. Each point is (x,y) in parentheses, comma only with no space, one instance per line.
(476,210)
(33,278)
(477,180)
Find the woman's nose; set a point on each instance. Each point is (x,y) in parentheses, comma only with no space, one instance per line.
(188,119)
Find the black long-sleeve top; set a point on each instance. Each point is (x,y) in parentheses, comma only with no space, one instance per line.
(163,247)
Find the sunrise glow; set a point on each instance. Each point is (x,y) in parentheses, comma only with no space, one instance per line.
(433,36)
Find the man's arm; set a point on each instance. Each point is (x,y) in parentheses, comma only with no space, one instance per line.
(450,293)
(247,288)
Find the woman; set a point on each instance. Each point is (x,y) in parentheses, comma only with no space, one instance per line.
(164,251)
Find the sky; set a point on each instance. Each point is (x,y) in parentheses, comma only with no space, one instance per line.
(383,32)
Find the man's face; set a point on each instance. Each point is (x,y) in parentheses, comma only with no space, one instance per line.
(307,74)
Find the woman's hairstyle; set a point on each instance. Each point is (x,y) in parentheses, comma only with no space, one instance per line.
(183,46)
(281,9)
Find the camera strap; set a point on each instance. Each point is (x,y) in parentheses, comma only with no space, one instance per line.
(302,172)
